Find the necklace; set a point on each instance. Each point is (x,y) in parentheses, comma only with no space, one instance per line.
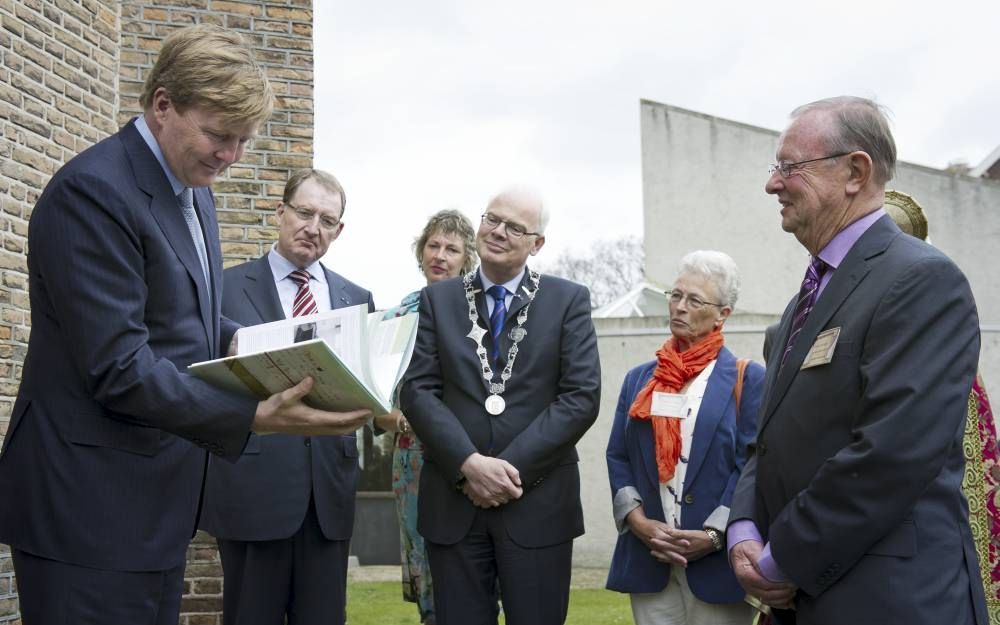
(495,403)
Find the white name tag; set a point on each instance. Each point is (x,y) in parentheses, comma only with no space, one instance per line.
(822,348)
(669,405)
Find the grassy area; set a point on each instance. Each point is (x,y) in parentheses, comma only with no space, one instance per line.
(379,603)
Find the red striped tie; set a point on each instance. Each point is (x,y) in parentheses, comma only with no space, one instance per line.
(304,304)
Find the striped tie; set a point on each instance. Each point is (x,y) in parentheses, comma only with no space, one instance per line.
(807,299)
(304,304)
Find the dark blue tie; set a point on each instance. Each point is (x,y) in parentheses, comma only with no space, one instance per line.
(499,295)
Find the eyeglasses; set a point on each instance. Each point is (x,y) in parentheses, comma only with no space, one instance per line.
(696,303)
(308,214)
(786,169)
(514,230)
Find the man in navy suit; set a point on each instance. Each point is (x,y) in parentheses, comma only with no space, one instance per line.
(283,514)
(101,472)
(850,509)
(504,380)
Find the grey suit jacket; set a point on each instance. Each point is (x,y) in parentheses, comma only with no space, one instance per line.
(98,467)
(856,476)
(265,495)
(552,399)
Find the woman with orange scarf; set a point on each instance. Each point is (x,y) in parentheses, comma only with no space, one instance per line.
(677,446)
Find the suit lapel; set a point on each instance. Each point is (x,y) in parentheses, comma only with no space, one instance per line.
(339,297)
(718,394)
(163,205)
(520,298)
(851,272)
(260,289)
(642,431)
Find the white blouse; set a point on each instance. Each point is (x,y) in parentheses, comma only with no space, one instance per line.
(672,493)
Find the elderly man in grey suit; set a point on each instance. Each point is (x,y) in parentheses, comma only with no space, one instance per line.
(503,382)
(283,514)
(850,511)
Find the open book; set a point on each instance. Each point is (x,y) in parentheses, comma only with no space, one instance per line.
(355,358)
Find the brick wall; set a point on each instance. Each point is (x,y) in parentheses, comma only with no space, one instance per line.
(70,74)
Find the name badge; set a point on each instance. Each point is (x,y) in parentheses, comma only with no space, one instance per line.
(669,405)
(822,348)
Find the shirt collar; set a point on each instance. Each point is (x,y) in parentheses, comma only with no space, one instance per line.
(838,247)
(281,267)
(511,286)
(147,135)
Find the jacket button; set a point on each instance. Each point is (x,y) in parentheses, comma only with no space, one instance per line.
(689,499)
(761,449)
(307,443)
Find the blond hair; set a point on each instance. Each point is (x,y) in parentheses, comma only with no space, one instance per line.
(212,68)
(449,222)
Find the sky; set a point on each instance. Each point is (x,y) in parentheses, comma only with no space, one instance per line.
(441,104)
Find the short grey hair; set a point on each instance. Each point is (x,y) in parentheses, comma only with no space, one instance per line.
(860,124)
(719,268)
(524,196)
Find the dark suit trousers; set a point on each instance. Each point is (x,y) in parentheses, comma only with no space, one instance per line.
(534,583)
(57,593)
(303,576)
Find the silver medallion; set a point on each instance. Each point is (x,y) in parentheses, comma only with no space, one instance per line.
(517,334)
(495,404)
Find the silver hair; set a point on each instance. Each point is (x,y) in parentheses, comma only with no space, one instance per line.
(719,268)
(861,124)
(525,196)
(543,217)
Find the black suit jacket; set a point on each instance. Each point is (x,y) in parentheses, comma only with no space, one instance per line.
(552,399)
(97,468)
(265,495)
(858,465)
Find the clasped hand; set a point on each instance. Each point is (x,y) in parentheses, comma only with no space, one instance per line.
(669,544)
(286,413)
(490,482)
(744,558)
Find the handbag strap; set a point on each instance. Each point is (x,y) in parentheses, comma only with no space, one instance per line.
(741,367)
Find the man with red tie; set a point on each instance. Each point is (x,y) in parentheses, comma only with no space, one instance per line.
(283,514)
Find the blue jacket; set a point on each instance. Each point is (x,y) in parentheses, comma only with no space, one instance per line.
(717,455)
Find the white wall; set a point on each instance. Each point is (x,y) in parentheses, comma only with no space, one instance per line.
(703,188)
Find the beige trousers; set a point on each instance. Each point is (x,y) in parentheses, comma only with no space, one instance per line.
(676,605)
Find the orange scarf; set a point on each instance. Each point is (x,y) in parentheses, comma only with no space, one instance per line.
(673,370)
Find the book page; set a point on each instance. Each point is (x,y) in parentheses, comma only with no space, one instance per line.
(390,345)
(343,329)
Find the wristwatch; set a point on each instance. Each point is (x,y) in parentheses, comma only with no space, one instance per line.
(716,537)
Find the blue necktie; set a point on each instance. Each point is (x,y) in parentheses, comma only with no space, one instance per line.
(499,295)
